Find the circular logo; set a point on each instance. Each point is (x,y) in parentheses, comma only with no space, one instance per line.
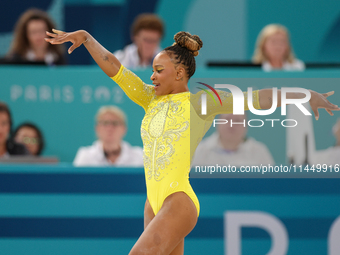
(174,184)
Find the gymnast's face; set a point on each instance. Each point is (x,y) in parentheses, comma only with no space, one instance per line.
(164,74)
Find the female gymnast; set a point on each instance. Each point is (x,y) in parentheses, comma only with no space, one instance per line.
(171,130)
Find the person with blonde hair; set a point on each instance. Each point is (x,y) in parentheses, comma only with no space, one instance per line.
(110,149)
(29,43)
(274,50)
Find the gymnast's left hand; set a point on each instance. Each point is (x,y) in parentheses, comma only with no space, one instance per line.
(319,100)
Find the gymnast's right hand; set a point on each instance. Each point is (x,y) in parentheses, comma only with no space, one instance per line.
(77,38)
(105,59)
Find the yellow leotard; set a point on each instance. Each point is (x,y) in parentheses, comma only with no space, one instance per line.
(171,130)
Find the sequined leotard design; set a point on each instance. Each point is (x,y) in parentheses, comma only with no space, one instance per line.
(171,130)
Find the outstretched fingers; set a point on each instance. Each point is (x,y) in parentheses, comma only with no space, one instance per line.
(51,34)
(73,47)
(59,37)
(328,94)
(59,32)
(56,39)
(328,105)
(331,106)
(330,112)
(320,100)
(316,113)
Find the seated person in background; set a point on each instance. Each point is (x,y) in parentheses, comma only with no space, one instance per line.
(29,135)
(7,146)
(146,32)
(29,44)
(330,156)
(110,149)
(274,51)
(229,145)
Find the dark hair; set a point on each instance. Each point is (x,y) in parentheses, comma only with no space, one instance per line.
(184,50)
(20,44)
(36,129)
(4,108)
(147,21)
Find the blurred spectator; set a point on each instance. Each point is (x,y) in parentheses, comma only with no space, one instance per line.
(7,146)
(274,51)
(110,149)
(330,156)
(29,44)
(229,145)
(147,31)
(29,135)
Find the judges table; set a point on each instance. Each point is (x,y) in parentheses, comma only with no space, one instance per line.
(59,209)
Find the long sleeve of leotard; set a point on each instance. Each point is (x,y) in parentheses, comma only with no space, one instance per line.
(214,107)
(134,87)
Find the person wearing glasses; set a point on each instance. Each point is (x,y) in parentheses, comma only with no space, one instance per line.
(230,144)
(110,149)
(30,135)
(146,33)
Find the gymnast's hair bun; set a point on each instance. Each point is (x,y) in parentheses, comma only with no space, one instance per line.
(191,42)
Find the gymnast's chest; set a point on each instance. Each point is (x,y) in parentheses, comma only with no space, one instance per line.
(165,114)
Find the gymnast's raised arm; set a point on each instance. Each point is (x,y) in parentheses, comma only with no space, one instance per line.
(132,85)
(105,59)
